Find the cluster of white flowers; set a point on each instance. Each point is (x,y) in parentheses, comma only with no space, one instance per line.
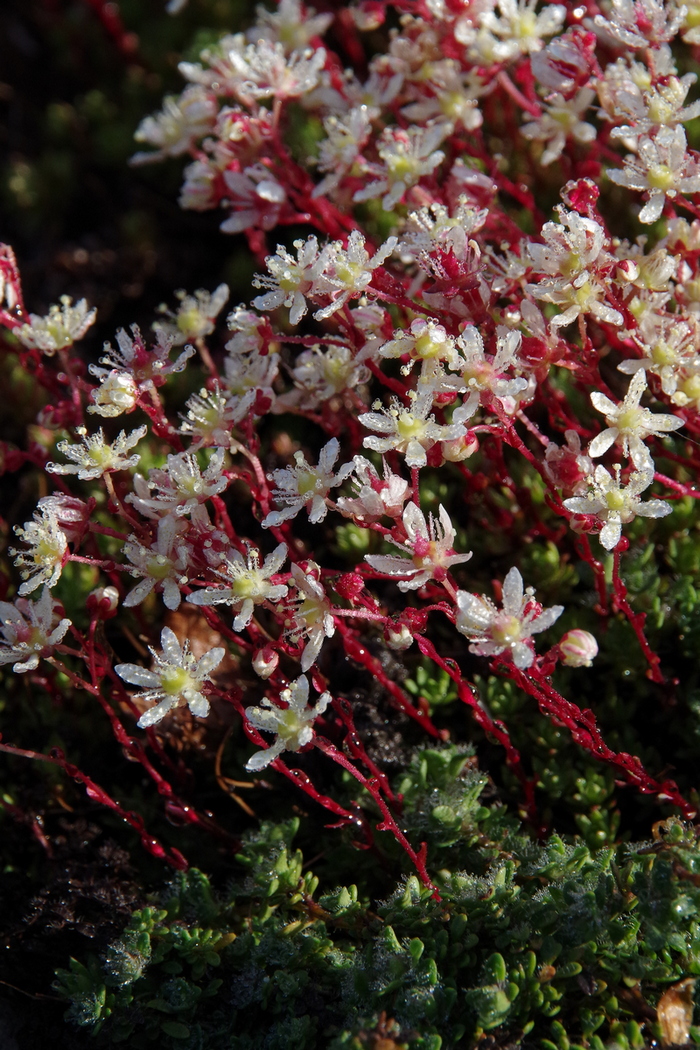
(432,329)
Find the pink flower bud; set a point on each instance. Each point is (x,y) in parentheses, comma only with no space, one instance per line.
(460,448)
(265,662)
(578,648)
(350,586)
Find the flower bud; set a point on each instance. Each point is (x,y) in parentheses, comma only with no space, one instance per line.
(265,662)
(350,586)
(398,636)
(578,648)
(460,448)
(103,602)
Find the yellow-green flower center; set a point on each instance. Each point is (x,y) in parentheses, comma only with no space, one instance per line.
(174,681)
(306,482)
(159,567)
(506,630)
(409,427)
(615,500)
(660,177)
(247,586)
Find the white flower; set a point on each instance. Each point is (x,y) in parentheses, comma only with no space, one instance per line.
(292,724)
(614,505)
(519,24)
(375,498)
(320,374)
(292,24)
(145,368)
(410,431)
(61,327)
(493,631)
(195,317)
(338,152)
(348,271)
(255,197)
(177,679)
(290,279)
(181,487)
(305,486)
(425,341)
(570,247)
(649,107)
(211,417)
(662,169)
(96,456)
(669,347)
(312,617)
(630,425)
(449,94)
(407,155)
(163,566)
(574,256)
(245,584)
(436,227)
(560,121)
(266,72)
(518,30)
(428,544)
(44,561)
(116,394)
(483,375)
(200,190)
(30,631)
(183,120)
(582,295)
(639,24)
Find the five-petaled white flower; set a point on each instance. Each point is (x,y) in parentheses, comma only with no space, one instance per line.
(182,487)
(616,505)
(163,566)
(410,431)
(195,317)
(47,554)
(428,544)
(293,724)
(305,486)
(408,154)
(290,280)
(96,456)
(493,631)
(484,376)
(176,679)
(212,415)
(662,168)
(62,326)
(630,424)
(245,584)
(425,341)
(348,271)
(30,631)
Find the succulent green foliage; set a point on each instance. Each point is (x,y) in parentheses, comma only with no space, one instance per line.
(550,940)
